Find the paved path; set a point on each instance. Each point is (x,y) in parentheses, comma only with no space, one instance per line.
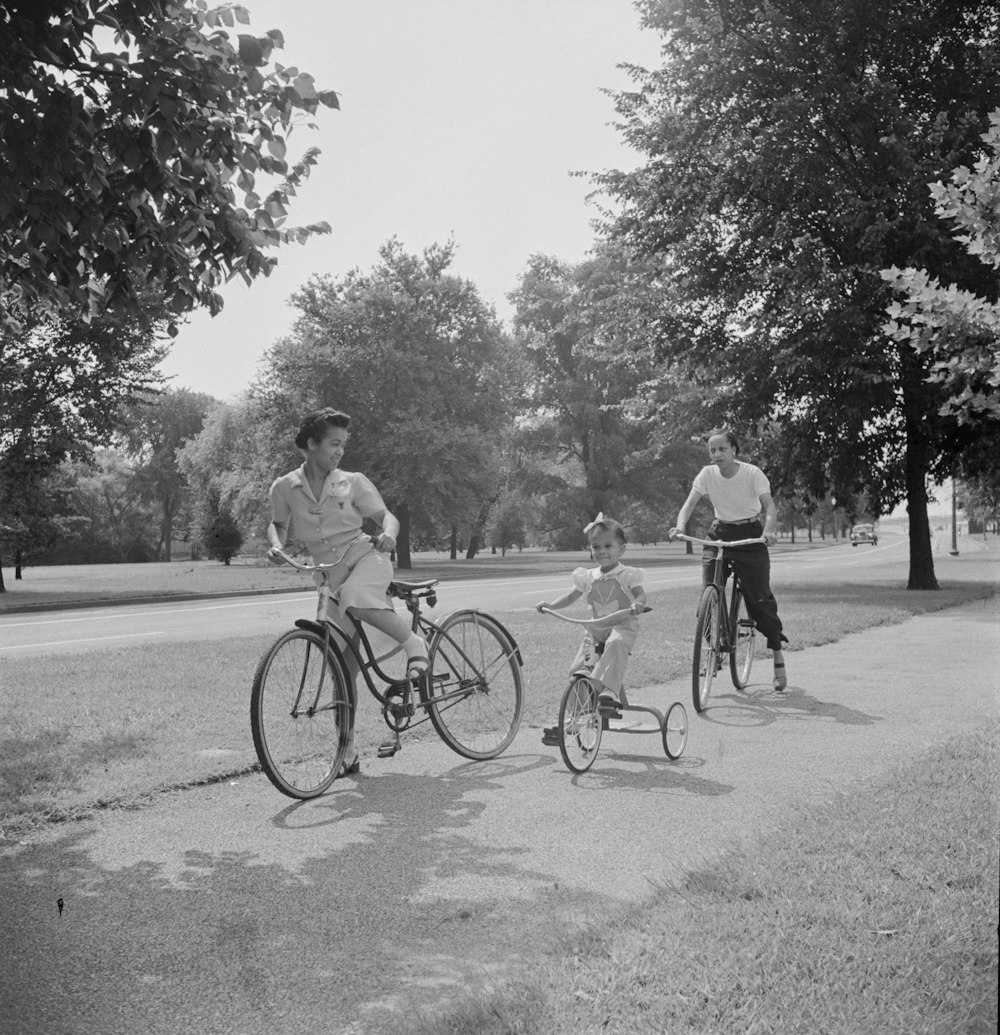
(231,909)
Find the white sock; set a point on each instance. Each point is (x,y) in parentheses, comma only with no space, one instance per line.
(415,645)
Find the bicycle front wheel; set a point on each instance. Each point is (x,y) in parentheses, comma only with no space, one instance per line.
(706,661)
(743,632)
(580,725)
(300,714)
(473,687)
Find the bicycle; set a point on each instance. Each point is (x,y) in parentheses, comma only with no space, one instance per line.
(303,703)
(584,717)
(722,627)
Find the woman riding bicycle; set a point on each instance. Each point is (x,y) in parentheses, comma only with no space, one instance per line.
(326,507)
(738,492)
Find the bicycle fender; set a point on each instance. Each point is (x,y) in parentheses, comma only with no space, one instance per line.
(493,619)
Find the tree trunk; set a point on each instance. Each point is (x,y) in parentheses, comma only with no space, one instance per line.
(18,564)
(476,539)
(3,588)
(454,542)
(402,512)
(809,528)
(921,558)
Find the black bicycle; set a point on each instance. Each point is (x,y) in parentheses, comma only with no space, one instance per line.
(303,703)
(722,626)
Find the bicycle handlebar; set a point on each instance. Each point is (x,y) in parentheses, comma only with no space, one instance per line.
(299,566)
(719,542)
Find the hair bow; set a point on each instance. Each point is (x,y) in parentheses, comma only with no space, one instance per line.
(597,520)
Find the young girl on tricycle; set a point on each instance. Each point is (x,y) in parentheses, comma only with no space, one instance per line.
(608,588)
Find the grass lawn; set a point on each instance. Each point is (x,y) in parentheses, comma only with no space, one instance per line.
(874,913)
(46,586)
(111,728)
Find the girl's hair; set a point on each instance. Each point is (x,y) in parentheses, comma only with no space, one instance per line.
(728,433)
(607,525)
(316,424)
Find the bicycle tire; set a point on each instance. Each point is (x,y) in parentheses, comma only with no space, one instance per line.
(473,689)
(675,731)
(580,724)
(300,714)
(743,632)
(707,633)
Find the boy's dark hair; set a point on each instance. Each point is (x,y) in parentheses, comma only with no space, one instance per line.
(607,525)
(728,433)
(316,424)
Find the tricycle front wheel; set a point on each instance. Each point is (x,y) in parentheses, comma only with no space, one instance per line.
(580,724)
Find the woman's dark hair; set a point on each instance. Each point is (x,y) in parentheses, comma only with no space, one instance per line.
(727,433)
(318,423)
(607,525)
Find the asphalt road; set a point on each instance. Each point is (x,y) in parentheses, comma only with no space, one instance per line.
(103,628)
(229,909)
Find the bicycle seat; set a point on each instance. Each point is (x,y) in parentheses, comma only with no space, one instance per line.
(400,586)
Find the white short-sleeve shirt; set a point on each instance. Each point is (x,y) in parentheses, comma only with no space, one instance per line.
(736,498)
(326,526)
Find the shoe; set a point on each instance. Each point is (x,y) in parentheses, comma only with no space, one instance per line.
(551,736)
(608,702)
(352,768)
(780,679)
(416,666)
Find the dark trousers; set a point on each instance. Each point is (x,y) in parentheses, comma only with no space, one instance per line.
(753,566)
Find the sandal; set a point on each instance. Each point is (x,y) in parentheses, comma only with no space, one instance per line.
(780,679)
(416,666)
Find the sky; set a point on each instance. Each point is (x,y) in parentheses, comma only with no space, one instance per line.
(459,119)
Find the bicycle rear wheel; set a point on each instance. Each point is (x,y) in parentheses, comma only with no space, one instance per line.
(743,631)
(580,724)
(300,714)
(706,661)
(473,688)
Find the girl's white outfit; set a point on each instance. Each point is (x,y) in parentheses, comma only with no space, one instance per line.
(328,527)
(605,593)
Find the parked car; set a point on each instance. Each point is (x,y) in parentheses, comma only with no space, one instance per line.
(864,534)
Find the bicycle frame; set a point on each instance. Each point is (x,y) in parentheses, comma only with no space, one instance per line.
(725,638)
(398,715)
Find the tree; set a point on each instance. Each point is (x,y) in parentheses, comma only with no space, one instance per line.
(423,367)
(959,330)
(154,429)
(232,461)
(221,536)
(125,126)
(578,325)
(62,386)
(787,149)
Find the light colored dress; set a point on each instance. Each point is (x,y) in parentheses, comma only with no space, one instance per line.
(605,593)
(329,525)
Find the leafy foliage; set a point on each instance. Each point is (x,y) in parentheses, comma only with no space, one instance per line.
(129,126)
(154,429)
(959,330)
(62,386)
(222,536)
(788,147)
(423,367)
(590,404)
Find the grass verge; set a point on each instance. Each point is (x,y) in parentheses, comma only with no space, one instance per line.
(111,728)
(876,912)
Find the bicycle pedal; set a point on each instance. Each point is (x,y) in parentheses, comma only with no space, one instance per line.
(388,748)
